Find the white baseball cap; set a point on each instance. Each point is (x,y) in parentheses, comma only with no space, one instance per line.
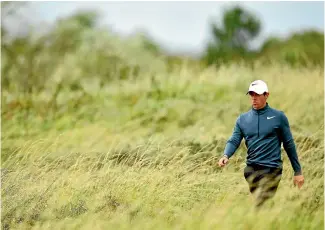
(258,87)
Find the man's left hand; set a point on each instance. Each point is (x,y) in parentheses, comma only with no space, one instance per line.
(298,180)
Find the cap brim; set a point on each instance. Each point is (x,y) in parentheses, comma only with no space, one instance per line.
(254,92)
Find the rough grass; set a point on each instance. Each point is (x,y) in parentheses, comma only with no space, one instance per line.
(142,154)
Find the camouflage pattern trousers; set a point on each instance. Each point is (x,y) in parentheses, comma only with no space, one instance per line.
(263,182)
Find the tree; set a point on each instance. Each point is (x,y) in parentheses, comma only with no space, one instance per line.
(232,38)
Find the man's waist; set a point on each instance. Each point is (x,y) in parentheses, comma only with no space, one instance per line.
(261,165)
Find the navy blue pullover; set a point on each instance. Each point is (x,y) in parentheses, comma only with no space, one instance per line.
(264,130)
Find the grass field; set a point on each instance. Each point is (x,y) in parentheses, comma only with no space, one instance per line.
(142,154)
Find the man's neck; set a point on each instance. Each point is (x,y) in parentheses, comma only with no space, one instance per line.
(262,107)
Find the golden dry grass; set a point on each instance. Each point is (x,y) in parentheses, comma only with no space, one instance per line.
(142,155)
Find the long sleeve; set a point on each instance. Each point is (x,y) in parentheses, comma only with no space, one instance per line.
(234,141)
(289,145)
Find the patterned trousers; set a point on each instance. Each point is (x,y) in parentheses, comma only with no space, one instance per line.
(262,181)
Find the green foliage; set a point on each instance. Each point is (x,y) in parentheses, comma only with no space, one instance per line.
(300,49)
(231,39)
(77,57)
(230,43)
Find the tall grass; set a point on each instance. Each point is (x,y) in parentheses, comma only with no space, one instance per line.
(141,152)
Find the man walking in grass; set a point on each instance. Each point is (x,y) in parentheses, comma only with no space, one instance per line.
(264,129)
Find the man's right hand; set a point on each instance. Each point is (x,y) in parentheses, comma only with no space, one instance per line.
(223,161)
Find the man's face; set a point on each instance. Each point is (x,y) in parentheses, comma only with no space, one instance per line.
(258,101)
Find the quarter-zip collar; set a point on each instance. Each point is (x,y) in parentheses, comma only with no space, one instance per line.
(262,110)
